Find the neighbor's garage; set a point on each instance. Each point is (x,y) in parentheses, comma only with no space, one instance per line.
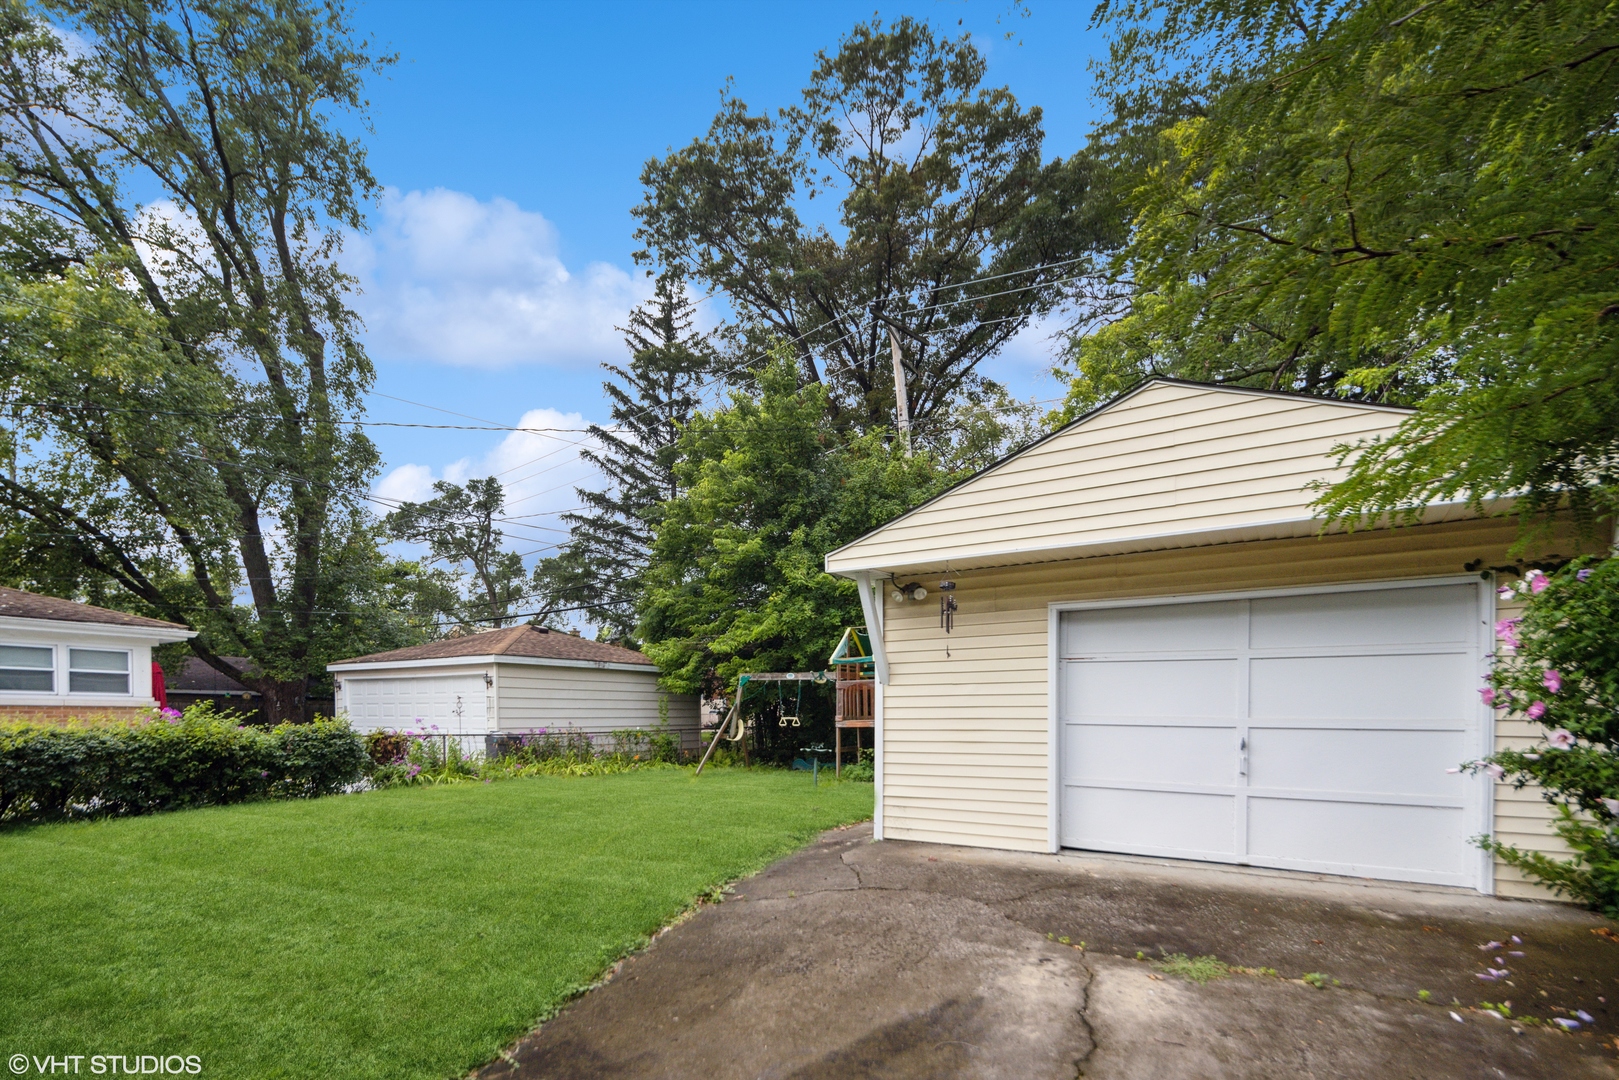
(1158,649)
(1306,731)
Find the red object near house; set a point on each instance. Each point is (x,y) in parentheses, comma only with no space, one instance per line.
(160,691)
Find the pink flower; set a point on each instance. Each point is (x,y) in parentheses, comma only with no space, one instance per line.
(1507,631)
(1536,710)
(1553,680)
(1488,694)
(1504,591)
(1495,770)
(1489,946)
(172,714)
(1611,806)
(1537,581)
(1561,739)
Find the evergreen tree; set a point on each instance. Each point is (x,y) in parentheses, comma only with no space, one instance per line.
(653,397)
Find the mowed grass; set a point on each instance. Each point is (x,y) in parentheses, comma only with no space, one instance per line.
(404,933)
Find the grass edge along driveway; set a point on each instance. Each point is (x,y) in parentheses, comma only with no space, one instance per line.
(403,933)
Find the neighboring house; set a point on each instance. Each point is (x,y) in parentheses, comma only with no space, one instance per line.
(518,680)
(195,681)
(60,659)
(1157,652)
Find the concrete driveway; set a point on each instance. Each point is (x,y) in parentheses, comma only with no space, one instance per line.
(894,960)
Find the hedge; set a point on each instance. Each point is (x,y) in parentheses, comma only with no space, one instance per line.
(173,762)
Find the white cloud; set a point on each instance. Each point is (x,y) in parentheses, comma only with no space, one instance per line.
(538,468)
(450,278)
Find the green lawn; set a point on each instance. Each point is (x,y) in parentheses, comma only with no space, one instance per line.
(403,933)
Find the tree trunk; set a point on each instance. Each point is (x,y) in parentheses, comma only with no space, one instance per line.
(285,702)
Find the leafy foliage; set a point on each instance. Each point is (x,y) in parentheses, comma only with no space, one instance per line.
(1561,672)
(181,373)
(768,485)
(198,759)
(610,540)
(949,228)
(1392,200)
(460,527)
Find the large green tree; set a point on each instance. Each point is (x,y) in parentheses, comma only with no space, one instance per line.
(902,194)
(460,528)
(653,396)
(768,486)
(184,370)
(1394,200)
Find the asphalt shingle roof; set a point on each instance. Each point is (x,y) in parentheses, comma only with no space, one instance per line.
(513,641)
(17,604)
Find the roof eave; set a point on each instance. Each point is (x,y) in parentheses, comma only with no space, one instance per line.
(1275,529)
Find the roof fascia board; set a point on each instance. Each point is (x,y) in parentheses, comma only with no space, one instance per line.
(1127,545)
(488,658)
(1111,403)
(16,623)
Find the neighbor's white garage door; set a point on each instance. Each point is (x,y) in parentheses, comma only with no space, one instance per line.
(456,703)
(1308,732)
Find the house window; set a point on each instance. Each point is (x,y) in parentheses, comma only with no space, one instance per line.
(97,671)
(28,667)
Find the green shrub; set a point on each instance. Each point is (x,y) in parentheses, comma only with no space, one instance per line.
(1560,670)
(174,761)
(863,770)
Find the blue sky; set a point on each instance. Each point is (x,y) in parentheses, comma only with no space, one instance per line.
(510,138)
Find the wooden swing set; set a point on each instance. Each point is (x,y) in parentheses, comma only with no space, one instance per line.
(853,672)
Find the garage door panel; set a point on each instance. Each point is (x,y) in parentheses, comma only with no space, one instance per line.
(1183,628)
(1150,822)
(1320,742)
(1373,760)
(1442,613)
(1171,754)
(1415,843)
(1419,686)
(1151,688)
(412,702)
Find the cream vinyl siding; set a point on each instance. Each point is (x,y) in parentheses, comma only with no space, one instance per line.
(592,700)
(966,735)
(1165,461)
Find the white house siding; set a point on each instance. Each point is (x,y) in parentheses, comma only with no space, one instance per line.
(966,736)
(1167,461)
(61,637)
(596,701)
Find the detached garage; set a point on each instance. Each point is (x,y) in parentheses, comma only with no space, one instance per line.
(1156,651)
(518,680)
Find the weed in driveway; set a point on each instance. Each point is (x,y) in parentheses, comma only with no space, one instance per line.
(1199,969)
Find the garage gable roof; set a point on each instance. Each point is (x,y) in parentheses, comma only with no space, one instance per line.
(516,642)
(1167,464)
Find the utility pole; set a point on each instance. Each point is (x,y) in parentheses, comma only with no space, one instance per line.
(904,406)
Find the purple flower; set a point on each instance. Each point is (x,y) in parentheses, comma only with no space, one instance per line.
(1537,581)
(1565,1023)
(1536,710)
(1488,694)
(263,775)
(1504,591)
(1583,575)
(1516,940)
(172,714)
(1561,739)
(1583,1015)
(1489,946)
(1553,680)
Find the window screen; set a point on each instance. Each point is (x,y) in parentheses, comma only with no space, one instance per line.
(28,667)
(97,671)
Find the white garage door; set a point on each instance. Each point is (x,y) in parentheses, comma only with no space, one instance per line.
(456,703)
(1308,732)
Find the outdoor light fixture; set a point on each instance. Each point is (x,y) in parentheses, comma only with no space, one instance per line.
(913,591)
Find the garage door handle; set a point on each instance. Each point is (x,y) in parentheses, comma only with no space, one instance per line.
(1242,767)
